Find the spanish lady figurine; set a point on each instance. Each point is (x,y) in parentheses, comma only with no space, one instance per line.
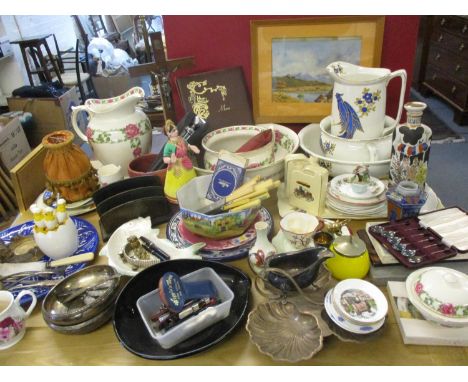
(179,166)
(410,148)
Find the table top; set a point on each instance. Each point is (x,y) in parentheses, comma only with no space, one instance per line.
(43,346)
(30,39)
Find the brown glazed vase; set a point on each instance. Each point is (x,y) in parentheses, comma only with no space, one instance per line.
(67,169)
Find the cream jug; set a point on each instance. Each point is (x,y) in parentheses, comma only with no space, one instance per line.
(117,131)
(359,100)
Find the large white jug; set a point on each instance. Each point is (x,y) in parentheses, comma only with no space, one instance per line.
(117,131)
(359,100)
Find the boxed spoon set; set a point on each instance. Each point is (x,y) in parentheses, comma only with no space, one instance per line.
(426,239)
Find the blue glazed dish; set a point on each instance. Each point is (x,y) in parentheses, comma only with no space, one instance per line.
(88,241)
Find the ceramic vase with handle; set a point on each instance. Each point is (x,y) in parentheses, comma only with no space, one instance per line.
(410,147)
(262,248)
(359,100)
(117,131)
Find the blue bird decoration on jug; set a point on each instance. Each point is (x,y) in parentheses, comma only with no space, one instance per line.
(349,119)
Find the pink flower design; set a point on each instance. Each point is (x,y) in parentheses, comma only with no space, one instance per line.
(278,136)
(89,133)
(418,288)
(111,100)
(132,130)
(137,152)
(5,333)
(447,309)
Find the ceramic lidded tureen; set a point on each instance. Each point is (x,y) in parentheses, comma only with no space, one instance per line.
(440,294)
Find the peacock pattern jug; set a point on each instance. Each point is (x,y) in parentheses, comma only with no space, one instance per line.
(359,100)
(117,131)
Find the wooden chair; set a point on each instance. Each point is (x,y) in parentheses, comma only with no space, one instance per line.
(44,64)
(74,65)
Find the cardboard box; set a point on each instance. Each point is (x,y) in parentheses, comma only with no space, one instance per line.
(107,87)
(5,47)
(13,143)
(50,114)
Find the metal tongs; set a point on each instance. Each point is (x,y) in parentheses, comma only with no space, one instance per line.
(31,279)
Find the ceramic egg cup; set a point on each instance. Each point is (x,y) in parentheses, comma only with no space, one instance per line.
(60,243)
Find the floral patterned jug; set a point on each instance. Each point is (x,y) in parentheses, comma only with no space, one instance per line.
(359,98)
(117,131)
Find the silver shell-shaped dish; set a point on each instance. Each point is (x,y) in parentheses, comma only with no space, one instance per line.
(284,332)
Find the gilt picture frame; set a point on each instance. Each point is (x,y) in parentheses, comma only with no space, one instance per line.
(289,81)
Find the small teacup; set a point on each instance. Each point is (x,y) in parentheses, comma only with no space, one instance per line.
(299,228)
(110,173)
(359,188)
(13,317)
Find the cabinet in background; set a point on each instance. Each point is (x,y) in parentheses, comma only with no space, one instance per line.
(441,66)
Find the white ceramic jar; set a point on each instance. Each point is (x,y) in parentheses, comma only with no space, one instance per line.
(117,131)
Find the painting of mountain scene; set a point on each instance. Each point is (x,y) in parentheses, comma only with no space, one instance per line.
(298,66)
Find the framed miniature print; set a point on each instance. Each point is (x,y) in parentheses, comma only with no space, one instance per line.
(289,57)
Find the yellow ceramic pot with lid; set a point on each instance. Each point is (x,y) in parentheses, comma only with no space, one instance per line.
(351,260)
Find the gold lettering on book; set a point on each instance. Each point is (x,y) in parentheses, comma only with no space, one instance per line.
(200,104)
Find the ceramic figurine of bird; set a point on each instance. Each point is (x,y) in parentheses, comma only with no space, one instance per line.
(348,118)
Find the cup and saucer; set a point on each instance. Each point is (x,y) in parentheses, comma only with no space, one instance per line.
(296,232)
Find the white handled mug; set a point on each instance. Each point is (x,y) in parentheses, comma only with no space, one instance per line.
(110,173)
(13,317)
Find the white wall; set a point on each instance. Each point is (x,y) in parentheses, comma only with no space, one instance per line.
(12,71)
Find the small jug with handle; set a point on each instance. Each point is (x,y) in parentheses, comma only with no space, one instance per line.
(359,100)
(117,131)
(13,317)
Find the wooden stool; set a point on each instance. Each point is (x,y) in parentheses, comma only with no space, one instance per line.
(44,64)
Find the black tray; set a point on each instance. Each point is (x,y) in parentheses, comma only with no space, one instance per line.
(132,332)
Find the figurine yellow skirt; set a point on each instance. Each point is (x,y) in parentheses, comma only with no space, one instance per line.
(176,177)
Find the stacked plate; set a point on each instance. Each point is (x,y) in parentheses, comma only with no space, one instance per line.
(440,294)
(356,306)
(83,301)
(342,198)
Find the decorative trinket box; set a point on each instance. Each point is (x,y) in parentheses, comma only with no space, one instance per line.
(405,200)
(306,184)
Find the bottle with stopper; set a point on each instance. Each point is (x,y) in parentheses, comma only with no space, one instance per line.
(410,147)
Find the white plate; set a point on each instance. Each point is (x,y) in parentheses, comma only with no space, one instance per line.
(73,209)
(353,294)
(349,207)
(345,324)
(378,211)
(355,202)
(341,185)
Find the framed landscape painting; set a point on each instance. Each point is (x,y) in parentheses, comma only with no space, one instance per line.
(289,57)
